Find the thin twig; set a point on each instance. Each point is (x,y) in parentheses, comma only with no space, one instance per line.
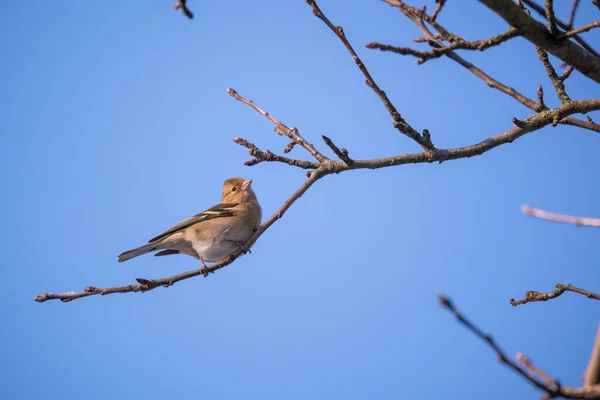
(260,156)
(550,17)
(184,8)
(533,296)
(440,5)
(551,390)
(567,219)
(572,14)
(533,370)
(399,122)
(341,153)
(281,128)
(424,56)
(540,94)
(558,83)
(417,15)
(502,357)
(585,28)
(566,73)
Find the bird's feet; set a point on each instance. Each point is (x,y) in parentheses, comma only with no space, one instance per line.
(204,268)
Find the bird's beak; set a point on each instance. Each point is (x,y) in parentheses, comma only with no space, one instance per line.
(246,185)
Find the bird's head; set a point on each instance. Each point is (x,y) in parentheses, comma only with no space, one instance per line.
(238,190)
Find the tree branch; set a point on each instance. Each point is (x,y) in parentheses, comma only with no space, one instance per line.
(145,285)
(540,10)
(437,52)
(535,32)
(585,28)
(399,122)
(567,219)
(418,15)
(280,128)
(557,81)
(552,389)
(533,296)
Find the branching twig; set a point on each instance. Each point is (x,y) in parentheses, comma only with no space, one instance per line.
(567,219)
(569,52)
(399,122)
(533,370)
(552,390)
(417,16)
(558,83)
(540,10)
(260,156)
(550,17)
(282,129)
(437,52)
(533,296)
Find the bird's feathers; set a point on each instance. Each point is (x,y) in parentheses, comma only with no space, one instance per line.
(138,251)
(218,211)
(167,252)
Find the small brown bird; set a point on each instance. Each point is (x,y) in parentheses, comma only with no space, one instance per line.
(213,234)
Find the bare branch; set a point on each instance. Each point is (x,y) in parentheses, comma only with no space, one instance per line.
(533,370)
(424,56)
(440,5)
(417,16)
(567,219)
(533,296)
(341,153)
(552,389)
(540,93)
(550,17)
(540,10)
(280,128)
(260,156)
(572,14)
(145,285)
(567,51)
(585,28)
(558,83)
(399,122)
(566,73)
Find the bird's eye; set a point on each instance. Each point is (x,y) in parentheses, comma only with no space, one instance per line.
(233,189)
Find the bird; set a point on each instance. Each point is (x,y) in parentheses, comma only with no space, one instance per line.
(214,233)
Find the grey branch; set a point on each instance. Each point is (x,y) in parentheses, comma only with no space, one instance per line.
(533,296)
(550,387)
(569,52)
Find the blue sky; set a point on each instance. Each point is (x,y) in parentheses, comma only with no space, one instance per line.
(116,125)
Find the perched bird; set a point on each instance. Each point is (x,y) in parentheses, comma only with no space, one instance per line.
(213,234)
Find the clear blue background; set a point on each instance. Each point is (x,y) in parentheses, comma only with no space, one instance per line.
(116,124)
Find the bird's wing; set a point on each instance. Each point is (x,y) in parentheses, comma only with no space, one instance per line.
(218,211)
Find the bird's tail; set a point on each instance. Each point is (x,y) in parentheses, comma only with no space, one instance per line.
(138,251)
